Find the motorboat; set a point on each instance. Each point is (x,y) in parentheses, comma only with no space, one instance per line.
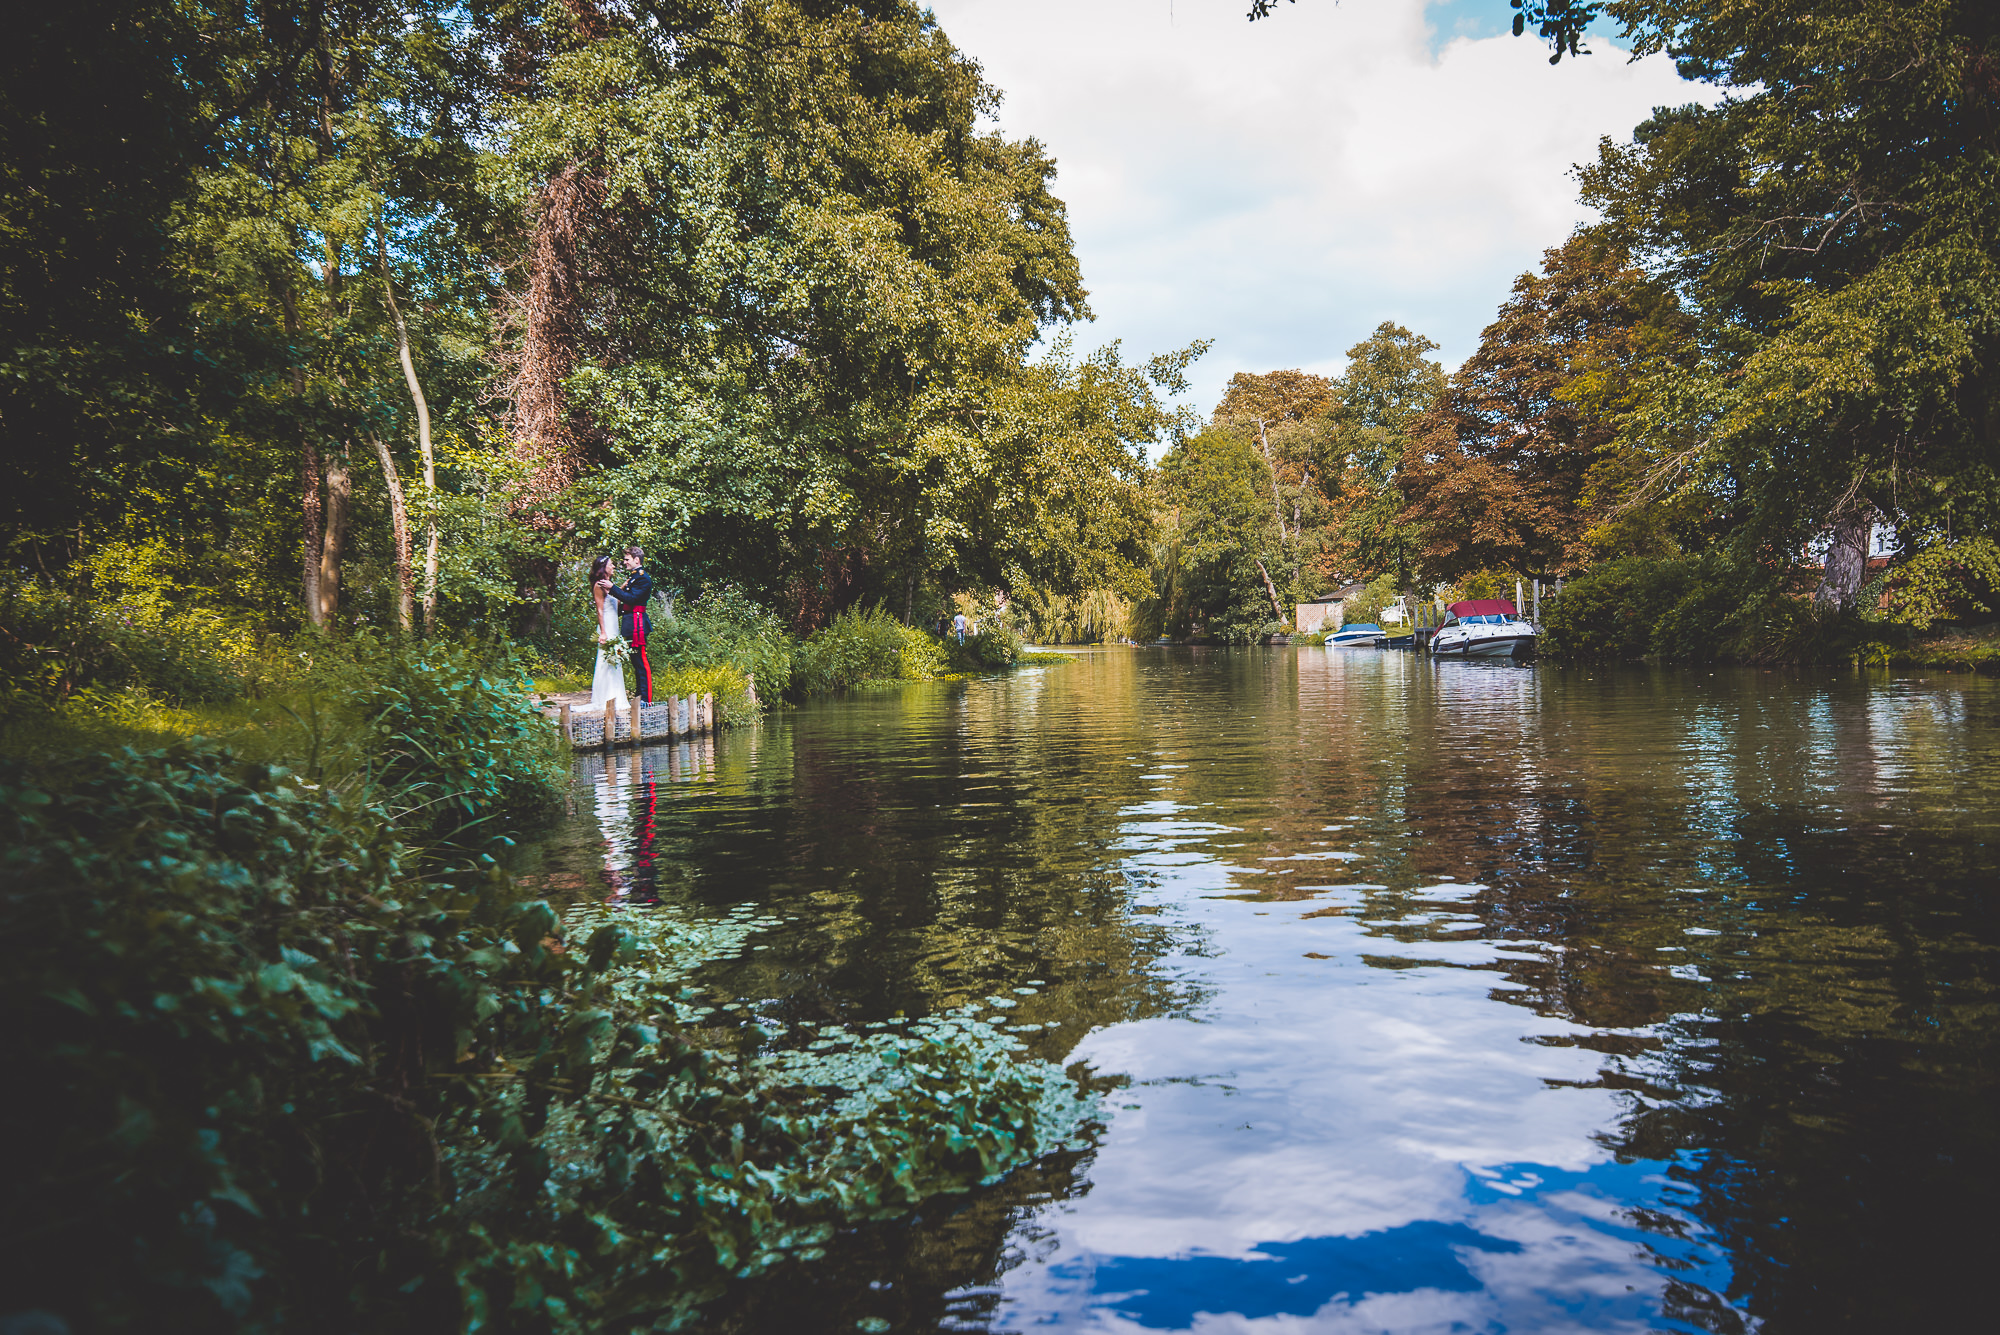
(1484,628)
(1360,635)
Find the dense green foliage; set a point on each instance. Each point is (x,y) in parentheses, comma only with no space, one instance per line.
(465,751)
(867,644)
(1695,610)
(291,1073)
(329,315)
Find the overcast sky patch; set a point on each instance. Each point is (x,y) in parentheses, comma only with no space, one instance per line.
(1283,187)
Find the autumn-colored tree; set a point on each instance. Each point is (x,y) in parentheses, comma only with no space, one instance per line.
(1499,470)
(1280,398)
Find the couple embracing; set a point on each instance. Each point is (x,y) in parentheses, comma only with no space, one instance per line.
(622,625)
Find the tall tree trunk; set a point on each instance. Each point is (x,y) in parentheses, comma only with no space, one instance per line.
(1277,502)
(399,519)
(1846,568)
(423,410)
(339,492)
(1276,609)
(311,516)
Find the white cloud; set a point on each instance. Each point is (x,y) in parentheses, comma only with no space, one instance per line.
(1283,187)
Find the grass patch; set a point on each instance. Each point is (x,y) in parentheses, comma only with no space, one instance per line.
(1973,648)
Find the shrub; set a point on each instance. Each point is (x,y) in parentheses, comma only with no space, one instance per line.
(1609,613)
(1944,581)
(865,644)
(455,739)
(1366,606)
(199,940)
(58,643)
(1693,610)
(730,687)
(996,645)
(723,627)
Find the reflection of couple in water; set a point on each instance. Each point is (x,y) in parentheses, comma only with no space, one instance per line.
(628,810)
(629,797)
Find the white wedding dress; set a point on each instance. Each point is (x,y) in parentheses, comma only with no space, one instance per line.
(607,684)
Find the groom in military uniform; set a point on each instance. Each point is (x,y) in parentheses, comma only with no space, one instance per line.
(633,623)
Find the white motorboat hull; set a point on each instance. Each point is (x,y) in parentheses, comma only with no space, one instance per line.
(1507,644)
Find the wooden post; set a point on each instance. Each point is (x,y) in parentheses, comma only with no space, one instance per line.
(568,736)
(708,712)
(635,723)
(751,677)
(610,722)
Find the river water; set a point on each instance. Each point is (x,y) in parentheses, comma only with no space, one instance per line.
(1428,996)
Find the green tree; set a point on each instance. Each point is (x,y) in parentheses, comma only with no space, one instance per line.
(1288,413)
(1219,540)
(1832,219)
(814,277)
(1388,386)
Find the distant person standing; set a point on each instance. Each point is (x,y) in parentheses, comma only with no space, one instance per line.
(958,627)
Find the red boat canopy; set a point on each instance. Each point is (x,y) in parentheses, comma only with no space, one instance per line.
(1482,607)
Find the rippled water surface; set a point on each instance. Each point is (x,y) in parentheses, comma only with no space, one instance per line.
(1429,996)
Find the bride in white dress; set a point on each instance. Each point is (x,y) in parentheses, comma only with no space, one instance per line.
(607,683)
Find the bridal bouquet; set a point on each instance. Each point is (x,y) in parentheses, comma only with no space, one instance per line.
(615,650)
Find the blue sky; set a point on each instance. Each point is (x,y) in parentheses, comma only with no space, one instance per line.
(1285,186)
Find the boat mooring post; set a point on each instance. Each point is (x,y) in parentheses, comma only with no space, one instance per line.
(610,722)
(1537,617)
(568,736)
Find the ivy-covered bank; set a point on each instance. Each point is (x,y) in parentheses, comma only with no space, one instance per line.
(287,1052)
